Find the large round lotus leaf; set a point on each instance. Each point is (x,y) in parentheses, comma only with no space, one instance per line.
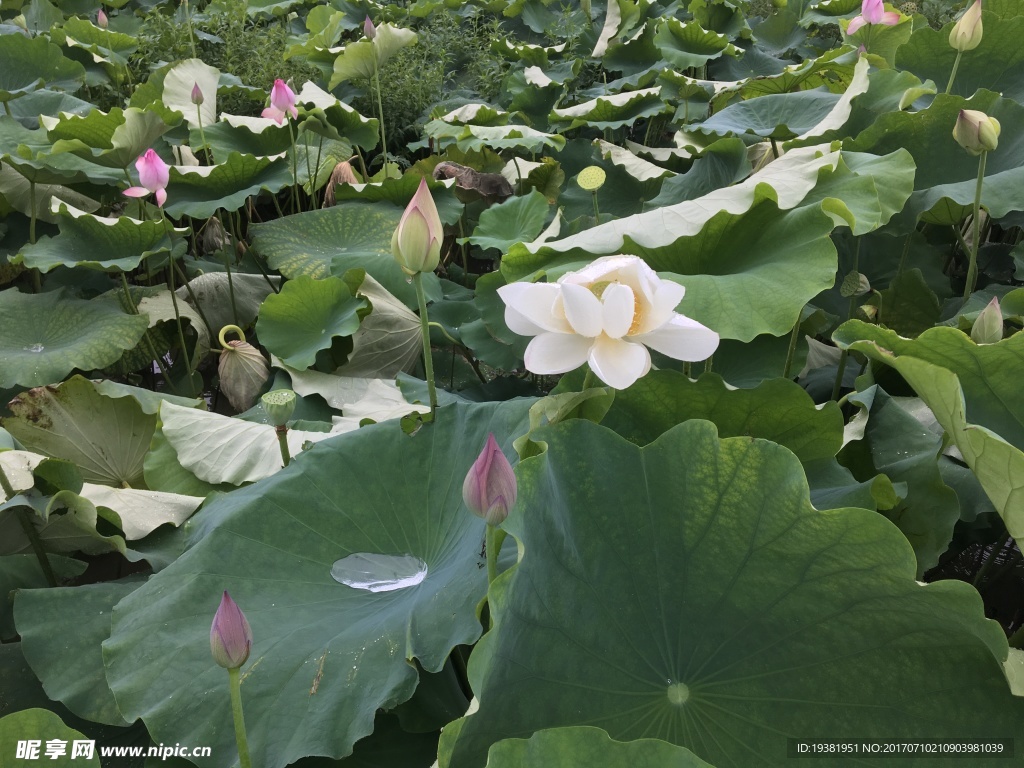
(179,83)
(306,316)
(517,220)
(333,240)
(583,747)
(894,442)
(45,336)
(777,410)
(113,139)
(198,191)
(945,172)
(41,726)
(97,242)
(688,44)
(69,662)
(27,63)
(701,600)
(362,58)
(325,655)
(997,64)
(937,379)
(24,572)
(775,115)
(106,438)
(611,112)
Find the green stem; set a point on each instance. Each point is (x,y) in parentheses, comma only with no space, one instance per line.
(708,363)
(380,108)
(174,303)
(236,223)
(775,148)
(794,337)
(202,135)
(227,269)
(235,683)
(25,518)
(462,247)
(972,269)
(37,284)
(296,207)
(146,337)
(952,74)
(428,362)
(195,301)
(597,213)
(903,256)
(282,441)
(849,313)
(316,171)
(588,380)
(493,542)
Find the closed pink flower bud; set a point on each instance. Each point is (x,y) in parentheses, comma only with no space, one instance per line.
(489,490)
(368,29)
(416,244)
(197,95)
(976,132)
(101,20)
(282,103)
(154,174)
(230,635)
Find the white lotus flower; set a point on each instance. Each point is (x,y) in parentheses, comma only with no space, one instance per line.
(605,314)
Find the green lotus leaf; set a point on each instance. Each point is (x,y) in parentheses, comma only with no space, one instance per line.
(113,139)
(585,747)
(177,94)
(777,410)
(24,572)
(332,118)
(610,112)
(259,137)
(388,340)
(667,605)
(97,242)
(908,306)
(306,316)
(45,336)
(219,449)
(471,138)
(997,64)
(351,647)
(777,116)
(164,472)
(723,164)
(399,192)
(16,187)
(42,725)
(214,290)
(199,190)
(28,63)
(70,664)
(148,400)
(972,391)
(137,512)
(517,220)
(105,438)
(105,45)
(686,44)
(928,136)
(790,179)
(65,523)
(356,60)
(894,443)
(27,109)
(333,240)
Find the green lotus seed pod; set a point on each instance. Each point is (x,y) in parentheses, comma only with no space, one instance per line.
(591,178)
(279,406)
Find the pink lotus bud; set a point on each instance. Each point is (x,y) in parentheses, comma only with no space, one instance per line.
(154,174)
(489,490)
(872,12)
(101,20)
(416,244)
(282,103)
(976,132)
(197,95)
(966,33)
(230,635)
(371,31)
